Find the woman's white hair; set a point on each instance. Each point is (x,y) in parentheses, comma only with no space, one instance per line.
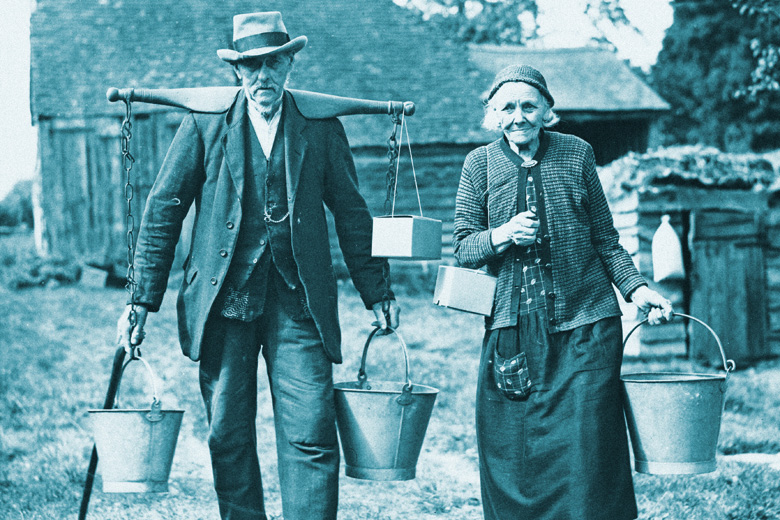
(491,121)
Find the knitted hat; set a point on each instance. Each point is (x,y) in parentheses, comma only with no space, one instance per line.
(524,74)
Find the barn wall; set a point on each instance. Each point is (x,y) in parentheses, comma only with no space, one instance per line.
(82,183)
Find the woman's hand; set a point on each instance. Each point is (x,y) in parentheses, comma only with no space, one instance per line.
(520,230)
(656,307)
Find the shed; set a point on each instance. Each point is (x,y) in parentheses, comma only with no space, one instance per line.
(726,210)
(598,96)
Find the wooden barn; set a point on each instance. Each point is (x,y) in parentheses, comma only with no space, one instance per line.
(384,52)
(725,208)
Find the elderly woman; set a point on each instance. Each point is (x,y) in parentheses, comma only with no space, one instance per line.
(550,430)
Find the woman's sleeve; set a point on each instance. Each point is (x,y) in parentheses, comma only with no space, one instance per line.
(471,238)
(605,238)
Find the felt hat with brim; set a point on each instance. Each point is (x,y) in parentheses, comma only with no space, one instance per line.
(260,34)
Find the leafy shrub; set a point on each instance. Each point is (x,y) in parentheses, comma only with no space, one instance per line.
(16,207)
(44,271)
(21,267)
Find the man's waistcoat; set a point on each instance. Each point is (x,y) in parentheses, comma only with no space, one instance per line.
(265,226)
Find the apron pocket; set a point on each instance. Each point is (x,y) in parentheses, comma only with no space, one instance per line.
(511,376)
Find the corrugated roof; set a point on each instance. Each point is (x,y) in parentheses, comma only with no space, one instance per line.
(581,80)
(373,50)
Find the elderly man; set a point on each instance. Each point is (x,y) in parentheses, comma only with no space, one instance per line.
(258,277)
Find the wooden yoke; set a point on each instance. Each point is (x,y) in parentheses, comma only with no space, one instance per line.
(312,105)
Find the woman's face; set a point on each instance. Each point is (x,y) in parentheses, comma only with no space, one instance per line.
(521,110)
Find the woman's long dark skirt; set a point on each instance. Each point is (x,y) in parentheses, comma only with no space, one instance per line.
(562,453)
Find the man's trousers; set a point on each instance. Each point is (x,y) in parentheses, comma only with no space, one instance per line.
(301,385)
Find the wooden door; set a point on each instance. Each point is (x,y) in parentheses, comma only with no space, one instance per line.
(728,289)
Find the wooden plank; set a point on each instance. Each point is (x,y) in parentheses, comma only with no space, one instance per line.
(728,292)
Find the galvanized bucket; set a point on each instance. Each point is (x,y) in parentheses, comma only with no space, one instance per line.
(382,424)
(136,446)
(674,418)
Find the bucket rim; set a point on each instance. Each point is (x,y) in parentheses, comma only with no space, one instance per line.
(427,390)
(136,410)
(636,377)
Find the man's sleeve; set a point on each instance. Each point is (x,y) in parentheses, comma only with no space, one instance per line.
(352,218)
(172,194)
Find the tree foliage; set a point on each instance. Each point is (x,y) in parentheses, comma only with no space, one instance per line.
(16,206)
(480,21)
(765,78)
(705,62)
(503,21)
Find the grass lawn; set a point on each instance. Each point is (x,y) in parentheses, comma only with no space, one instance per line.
(57,345)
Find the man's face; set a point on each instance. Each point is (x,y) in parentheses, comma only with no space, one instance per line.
(264,78)
(521,109)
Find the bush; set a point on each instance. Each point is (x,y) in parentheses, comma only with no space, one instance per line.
(16,207)
(20,267)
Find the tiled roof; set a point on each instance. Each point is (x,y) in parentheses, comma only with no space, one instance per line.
(357,48)
(581,80)
(367,49)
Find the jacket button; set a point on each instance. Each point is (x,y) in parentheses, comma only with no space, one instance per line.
(548,266)
(262,242)
(551,295)
(223,253)
(547,237)
(213,281)
(552,321)
(229,225)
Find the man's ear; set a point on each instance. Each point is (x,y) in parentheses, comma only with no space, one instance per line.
(237,73)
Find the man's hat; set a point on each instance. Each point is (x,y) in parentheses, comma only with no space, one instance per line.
(260,34)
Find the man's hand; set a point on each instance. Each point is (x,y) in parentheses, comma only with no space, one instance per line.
(381,320)
(656,307)
(126,335)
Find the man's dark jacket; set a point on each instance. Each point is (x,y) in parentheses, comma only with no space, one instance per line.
(206,164)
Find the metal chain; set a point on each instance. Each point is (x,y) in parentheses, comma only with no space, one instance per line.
(127,165)
(392,155)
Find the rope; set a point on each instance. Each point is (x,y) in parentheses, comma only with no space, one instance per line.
(411,159)
(405,129)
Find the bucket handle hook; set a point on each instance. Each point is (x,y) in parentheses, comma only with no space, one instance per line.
(406,394)
(155,413)
(728,364)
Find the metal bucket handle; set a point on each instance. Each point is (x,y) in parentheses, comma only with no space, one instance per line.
(728,364)
(155,413)
(406,393)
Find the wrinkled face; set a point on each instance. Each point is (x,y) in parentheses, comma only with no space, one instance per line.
(520,111)
(263,78)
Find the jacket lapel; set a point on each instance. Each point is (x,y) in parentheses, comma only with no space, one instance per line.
(295,145)
(234,144)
